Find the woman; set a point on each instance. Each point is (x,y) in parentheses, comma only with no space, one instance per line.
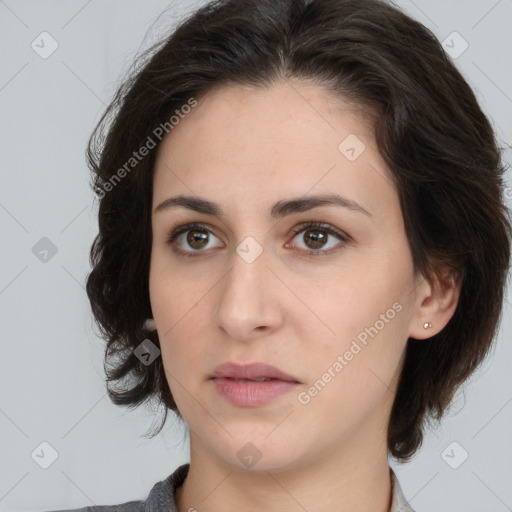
(302,249)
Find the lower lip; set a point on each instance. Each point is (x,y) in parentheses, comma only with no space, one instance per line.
(251,394)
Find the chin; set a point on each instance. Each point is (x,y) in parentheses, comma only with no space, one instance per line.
(261,451)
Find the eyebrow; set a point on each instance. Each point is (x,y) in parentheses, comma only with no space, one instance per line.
(279,210)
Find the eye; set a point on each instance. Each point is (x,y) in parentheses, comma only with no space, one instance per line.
(316,235)
(197,237)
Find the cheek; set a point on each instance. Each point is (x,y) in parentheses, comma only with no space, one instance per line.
(174,303)
(374,286)
(183,349)
(172,298)
(364,315)
(350,378)
(357,299)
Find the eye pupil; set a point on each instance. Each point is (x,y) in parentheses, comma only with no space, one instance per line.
(195,236)
(318,239)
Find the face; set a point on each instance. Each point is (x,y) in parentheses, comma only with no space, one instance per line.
(329,305)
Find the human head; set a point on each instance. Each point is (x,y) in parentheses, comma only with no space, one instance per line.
(430,132)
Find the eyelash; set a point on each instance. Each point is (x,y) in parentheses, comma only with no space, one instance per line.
(299,229)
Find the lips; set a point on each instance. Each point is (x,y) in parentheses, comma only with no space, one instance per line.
(255,372)
(251,385)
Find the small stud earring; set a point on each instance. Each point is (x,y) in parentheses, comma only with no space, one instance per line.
(426,325)
(149,325)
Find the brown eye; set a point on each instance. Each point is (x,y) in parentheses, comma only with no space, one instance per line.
(316,236)
(196,238)
(190,239)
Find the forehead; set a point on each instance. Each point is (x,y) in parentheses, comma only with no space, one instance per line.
(283,140)
(299,108)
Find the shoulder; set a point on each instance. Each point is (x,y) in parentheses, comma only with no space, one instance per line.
(130,506)
(160,499)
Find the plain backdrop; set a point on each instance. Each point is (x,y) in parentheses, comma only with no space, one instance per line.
(54,410)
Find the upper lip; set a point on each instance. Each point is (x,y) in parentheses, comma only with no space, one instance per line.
(250,371)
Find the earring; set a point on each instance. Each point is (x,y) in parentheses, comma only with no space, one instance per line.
(426,325)
(149,325)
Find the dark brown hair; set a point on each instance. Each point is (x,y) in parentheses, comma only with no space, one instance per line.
(438,144)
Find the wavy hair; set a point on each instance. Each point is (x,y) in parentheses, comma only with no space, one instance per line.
(429,128)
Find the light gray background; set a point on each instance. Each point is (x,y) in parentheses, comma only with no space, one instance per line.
(51,373)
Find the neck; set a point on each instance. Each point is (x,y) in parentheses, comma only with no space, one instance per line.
(354,479)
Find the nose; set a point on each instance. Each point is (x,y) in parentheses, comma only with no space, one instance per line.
(249,302)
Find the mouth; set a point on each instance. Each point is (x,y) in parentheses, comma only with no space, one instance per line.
(251,380)
(252,385)
(251,373)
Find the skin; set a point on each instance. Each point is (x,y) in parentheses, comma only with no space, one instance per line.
(246,149)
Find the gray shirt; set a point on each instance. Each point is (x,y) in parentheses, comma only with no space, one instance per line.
(161,497)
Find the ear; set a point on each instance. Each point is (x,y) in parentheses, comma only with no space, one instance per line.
(436,303)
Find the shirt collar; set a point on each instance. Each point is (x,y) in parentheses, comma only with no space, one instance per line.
(399,503)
